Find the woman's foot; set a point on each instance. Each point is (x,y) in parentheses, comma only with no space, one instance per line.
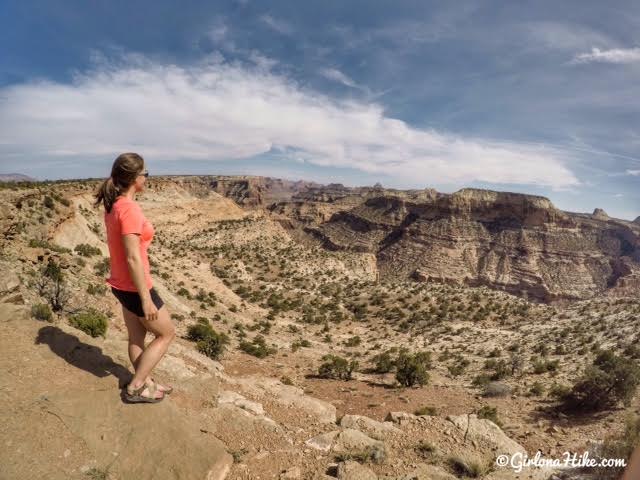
(159,386)
(145,393)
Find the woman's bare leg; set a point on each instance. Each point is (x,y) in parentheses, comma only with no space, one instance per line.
(164,332)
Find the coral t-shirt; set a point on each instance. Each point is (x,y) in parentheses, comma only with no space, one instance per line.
(126,217)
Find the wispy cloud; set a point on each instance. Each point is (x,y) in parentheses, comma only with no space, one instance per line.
(278,25)
(224,111)
(633,172)
(338,76)
(614,55)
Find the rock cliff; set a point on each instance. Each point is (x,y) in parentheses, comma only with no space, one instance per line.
(510,241)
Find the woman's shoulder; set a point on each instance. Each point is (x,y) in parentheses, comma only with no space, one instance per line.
(126,205)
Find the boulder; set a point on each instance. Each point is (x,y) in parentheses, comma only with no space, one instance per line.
(373,428)
(485,433)
(351,470)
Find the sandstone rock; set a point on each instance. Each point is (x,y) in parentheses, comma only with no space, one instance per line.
(239,401)
(377,430)
(350,470)
(600,214)
(505,240)
(423,472)
(322,442)
(396,417)
(485,433)
(354,442)
(291,474)
(290,396)
(10,286)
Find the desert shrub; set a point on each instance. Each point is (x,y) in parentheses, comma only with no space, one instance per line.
(337,367)
(94,289)
(426,410)
(536,389)
(53,286)
(102,267)
(92,322)
(411,369)
(353,341)
(481,380)
(87,250)
(200,330)
(471,468)
(559,391)
(489,413)
(373,454)
(496,389)
(459,366)
(213,345)
(383,362)
(48,201)
(610,380)
(208,341)
(543,366)
(41,311)
(34,243)
(425,449)
(258,347)
(184,293)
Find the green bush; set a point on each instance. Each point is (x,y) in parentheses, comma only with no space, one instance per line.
(412,368)
(337,367)
(258,347)
(468,468)
(489,413)
(91,322)
(96,289)
(102,267)
(610,380)
(208,341)
(383,362)
(200,330)
(213,345)
(87,250)
(427,410)
(41,311)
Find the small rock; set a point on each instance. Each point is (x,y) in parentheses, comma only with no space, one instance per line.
(290,474)
(350,470)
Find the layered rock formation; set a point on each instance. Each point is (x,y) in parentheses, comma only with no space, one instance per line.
(515,242)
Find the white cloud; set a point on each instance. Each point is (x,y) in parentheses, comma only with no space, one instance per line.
(336,75)
(633,172)
(561,35)
(220,112)
(278,25)
(614,55)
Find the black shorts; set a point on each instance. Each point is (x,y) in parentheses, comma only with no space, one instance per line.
(131,300)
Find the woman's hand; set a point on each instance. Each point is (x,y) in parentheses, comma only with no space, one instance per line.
(150,310)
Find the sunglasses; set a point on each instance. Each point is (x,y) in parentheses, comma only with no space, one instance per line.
(145,173)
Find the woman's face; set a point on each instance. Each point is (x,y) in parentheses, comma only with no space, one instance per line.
(140,180)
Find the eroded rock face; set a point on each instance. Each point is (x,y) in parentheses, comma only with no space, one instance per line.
(509,241)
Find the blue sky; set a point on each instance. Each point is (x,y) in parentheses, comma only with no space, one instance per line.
(539,98)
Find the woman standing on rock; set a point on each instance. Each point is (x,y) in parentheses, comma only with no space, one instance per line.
(129,234)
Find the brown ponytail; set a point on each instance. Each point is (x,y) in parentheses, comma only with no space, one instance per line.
(124,172)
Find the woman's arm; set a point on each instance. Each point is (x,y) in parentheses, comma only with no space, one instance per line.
(136,270)
(633,468)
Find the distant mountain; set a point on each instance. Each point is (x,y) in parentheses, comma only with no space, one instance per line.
(16,177)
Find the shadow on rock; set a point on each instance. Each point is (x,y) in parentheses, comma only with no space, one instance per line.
(82,355)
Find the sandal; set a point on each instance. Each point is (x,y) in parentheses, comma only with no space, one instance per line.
(167,391)
(137,397)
